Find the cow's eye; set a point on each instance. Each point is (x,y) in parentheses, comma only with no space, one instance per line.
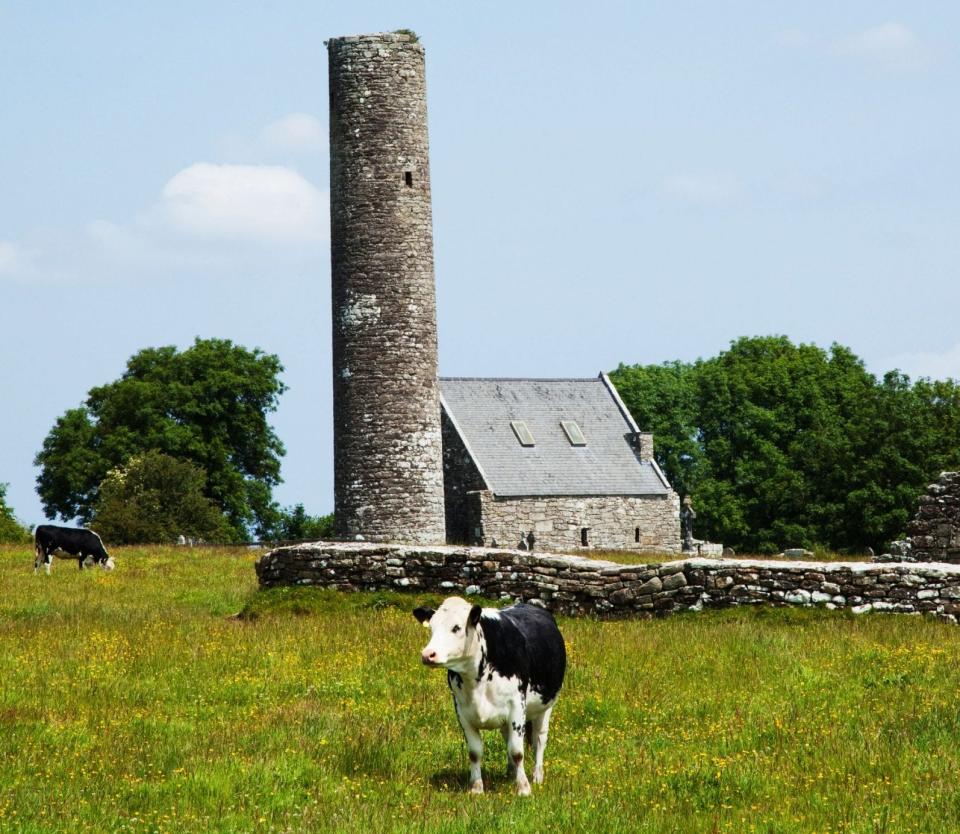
(456,629)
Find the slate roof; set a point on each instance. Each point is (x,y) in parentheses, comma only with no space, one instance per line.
(482,409)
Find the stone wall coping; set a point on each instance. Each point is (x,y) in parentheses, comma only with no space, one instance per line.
(583,563)
(374,37)
(473,553)
(920,568)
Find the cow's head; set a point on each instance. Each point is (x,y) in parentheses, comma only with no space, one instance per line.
(453,632)
(105,562)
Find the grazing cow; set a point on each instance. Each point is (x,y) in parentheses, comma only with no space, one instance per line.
(505,668)
(69,542)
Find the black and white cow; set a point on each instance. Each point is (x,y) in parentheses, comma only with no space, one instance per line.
(69,542)
(505,667)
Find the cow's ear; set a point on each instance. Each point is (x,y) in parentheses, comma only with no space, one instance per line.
(474,616)
(423,615)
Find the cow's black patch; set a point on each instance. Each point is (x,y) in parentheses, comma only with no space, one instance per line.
(423,615)
(518,728)
(523,641)
(482,665)
(454,678)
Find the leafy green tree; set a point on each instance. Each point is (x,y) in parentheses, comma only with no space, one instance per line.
(909,435)
(785,445)
(11,530)
(663,400)
(155,498)
(207,404)
(294,524)
(772,430)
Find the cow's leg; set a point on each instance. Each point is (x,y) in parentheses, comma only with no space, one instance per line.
(538,743)
(505,731)
(47,560)
(37,558)
(80,560)
(515,748)
(475,751)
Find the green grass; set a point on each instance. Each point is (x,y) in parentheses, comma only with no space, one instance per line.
(138,701)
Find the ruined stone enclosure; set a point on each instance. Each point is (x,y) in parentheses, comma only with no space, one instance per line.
(574,585)
(934,532)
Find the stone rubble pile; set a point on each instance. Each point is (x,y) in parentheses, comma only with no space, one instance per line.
(705,548)
(934,533)
(574,585)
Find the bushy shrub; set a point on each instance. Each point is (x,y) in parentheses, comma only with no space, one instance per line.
(154,499)
(11,530)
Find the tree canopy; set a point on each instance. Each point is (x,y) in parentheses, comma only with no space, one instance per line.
(294,524)
(791,445)
(207,404)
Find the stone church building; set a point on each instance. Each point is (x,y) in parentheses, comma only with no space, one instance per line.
(552,464)
(557,464)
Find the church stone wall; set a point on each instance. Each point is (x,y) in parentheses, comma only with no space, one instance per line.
(612,522)
(460,478)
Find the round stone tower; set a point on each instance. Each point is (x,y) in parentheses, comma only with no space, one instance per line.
(388,463)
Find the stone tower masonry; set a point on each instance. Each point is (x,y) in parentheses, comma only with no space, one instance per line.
(388,462)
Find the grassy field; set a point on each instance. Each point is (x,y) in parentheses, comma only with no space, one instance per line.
(134,701)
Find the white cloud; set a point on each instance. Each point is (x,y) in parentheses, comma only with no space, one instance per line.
(208,219)
(11,258)
(299,136)
(890,45)
(934,365)
(20,264)
(299,132)
(261,203)
(704,190)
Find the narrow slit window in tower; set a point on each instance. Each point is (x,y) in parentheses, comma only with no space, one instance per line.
(522,432)
(636,534)
(408,178)
(584,538)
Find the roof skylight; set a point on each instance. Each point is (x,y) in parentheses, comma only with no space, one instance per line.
(522,432)
(574,435)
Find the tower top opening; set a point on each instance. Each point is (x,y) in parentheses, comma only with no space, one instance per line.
(405,36)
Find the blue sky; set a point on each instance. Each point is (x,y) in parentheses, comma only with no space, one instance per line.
(612,181)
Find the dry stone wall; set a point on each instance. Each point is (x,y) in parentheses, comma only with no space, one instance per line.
(575,585)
